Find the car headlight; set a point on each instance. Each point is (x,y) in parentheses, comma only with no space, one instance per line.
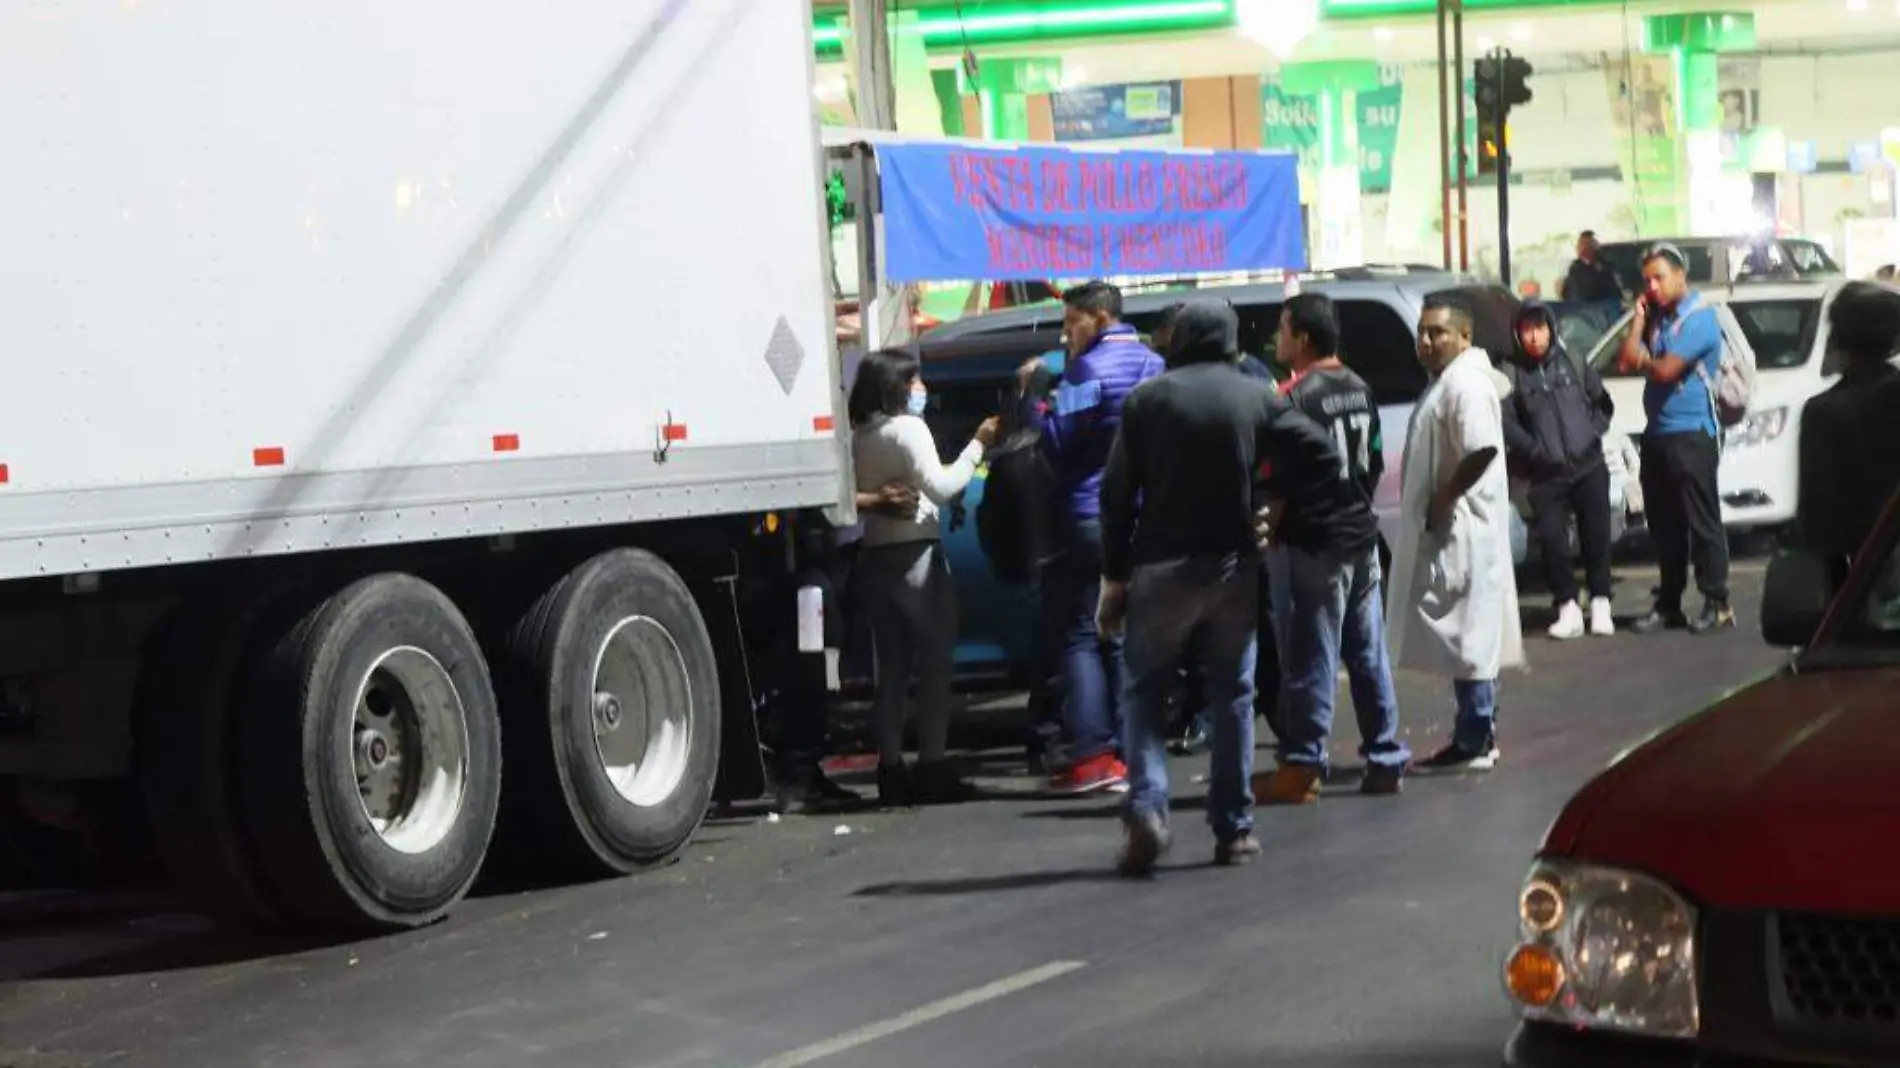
(1604,948)
(1758,428)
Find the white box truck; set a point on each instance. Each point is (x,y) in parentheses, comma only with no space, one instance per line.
(395,396)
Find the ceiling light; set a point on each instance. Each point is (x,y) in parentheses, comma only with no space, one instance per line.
(1521,32)
(1276,25)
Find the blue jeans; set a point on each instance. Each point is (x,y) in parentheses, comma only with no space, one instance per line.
(1326,605)
(1476,730)
(1091,666)
(1210,604)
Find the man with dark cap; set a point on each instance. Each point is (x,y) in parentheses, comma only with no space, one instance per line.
(1199,450)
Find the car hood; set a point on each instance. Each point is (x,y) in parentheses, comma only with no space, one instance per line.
(1783,796)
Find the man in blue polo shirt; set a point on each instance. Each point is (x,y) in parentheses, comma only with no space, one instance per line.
(1675,344)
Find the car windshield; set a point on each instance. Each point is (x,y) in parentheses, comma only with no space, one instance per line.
(1780,331)
(1580,325)
(1809,258)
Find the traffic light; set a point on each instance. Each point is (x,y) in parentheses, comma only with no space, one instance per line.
(1516,78)
(1502,83)
(1488,74)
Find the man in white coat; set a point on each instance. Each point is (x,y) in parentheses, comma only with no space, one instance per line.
(1453,593)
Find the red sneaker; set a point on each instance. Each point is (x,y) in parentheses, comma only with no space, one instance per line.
(1094,775)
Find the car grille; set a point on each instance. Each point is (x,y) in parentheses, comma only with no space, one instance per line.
(1841,971)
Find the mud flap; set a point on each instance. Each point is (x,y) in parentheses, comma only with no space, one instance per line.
(741,761)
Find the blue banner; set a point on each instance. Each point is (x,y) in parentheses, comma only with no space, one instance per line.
(955,213)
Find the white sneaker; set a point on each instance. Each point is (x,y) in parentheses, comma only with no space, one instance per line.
(1569,623)
(1601,624)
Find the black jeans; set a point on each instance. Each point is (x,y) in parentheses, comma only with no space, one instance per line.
(1685,515)
(1554,502)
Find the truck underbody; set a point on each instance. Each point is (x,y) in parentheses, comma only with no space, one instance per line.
(318,740)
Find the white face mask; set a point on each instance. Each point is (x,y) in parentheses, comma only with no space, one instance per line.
(918,399)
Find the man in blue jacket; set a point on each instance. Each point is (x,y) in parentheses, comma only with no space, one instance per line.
(1106,362)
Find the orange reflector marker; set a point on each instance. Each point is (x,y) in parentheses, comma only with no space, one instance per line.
(1534,975)
(5,474)
(675,431)
(269,456)
(823,423)
(771,522)
(507,442)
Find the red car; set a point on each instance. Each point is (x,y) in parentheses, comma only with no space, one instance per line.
(1728,892)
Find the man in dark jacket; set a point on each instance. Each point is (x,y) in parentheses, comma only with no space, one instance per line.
(1590,280)
(1200,449)
(1850,450)
(1554,422)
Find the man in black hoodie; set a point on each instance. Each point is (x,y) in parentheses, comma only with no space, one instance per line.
(1554,422)
(1199,450)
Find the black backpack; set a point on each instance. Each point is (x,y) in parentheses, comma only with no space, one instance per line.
(1012,519)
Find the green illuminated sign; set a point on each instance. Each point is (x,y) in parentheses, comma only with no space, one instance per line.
(1362,9)
(942,27)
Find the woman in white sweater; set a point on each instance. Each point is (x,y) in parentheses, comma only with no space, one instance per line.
(902,574)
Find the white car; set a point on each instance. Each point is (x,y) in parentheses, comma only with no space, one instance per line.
(1784,326)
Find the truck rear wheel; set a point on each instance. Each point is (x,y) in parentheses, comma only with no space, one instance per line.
(371,757)
(612,698)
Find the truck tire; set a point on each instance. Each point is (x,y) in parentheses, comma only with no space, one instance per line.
(371,757)
(186,767)
(612,696)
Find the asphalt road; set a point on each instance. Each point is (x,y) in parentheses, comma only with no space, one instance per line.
(1369,935)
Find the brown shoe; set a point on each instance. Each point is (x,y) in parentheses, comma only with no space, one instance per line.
(1238,850)
(1289,784)
(1382,781)
(1147,838)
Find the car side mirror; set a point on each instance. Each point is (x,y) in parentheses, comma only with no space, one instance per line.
(1796,594)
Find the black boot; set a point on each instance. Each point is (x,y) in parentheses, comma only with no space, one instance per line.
(809,790)
(939,782)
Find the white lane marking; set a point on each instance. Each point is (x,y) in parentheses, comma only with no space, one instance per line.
(923,1014)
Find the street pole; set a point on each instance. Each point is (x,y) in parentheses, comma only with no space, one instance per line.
(1458,65)
(1504,178)
(1444,135)
(884,310)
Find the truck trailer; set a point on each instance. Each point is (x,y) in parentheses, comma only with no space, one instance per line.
(403,403)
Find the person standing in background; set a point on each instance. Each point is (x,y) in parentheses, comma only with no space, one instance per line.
(1106,362)
(1554,422)
(1590,280)
(903,576)
(1454,590)
(1675,344)
(1850,444)
(1327,600)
